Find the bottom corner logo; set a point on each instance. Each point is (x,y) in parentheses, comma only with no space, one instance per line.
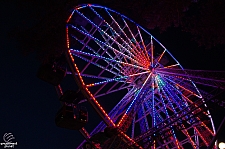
(8,137)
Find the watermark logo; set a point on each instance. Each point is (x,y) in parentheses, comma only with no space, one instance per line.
(8,138)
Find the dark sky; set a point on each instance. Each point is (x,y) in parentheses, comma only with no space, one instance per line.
(28,105)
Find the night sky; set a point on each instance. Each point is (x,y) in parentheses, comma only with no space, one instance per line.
(28,105)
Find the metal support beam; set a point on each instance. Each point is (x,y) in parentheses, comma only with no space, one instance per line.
(174,119)
(217,133)
(209,78)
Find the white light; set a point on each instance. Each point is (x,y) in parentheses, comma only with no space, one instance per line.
(222,145)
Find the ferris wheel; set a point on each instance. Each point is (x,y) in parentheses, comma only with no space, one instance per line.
(157,103)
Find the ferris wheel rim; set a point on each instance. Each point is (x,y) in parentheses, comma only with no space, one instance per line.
(82,84)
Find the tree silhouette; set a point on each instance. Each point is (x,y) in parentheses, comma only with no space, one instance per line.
(204,19)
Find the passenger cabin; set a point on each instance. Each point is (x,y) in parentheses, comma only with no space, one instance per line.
(51,74)
(71,117)
(72,97)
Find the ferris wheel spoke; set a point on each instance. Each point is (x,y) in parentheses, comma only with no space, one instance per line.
(153,100)
(149,106)
(170,66)
(142,118)
(117,55)
(145,118)
(102,32)
(181,101)
(165,110)
(103,68)
(159,58)
(152,52)
(105,44)
(142,115)
(160,120)
(168,96)
(132,68)
(121,106)
(96,53)
(160,108)
(143,45)
(174,110)
(204,77)
(75,52)
(149,111)
(100,66)
(125,57)
(117,79)
(185,86)
(131,106)
(171,100)
(107,81)
(105,50)
(133,127)
(143,123)
(113,90)
(89,76)
(203,125)
(174,80)
(118,35)
(132,41)
(173,93)
(159,87)
(139,47)
(122,50)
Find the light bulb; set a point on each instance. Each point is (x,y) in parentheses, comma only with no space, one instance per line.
(222,145)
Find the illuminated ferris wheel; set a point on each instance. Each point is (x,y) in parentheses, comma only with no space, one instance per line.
(158,104)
